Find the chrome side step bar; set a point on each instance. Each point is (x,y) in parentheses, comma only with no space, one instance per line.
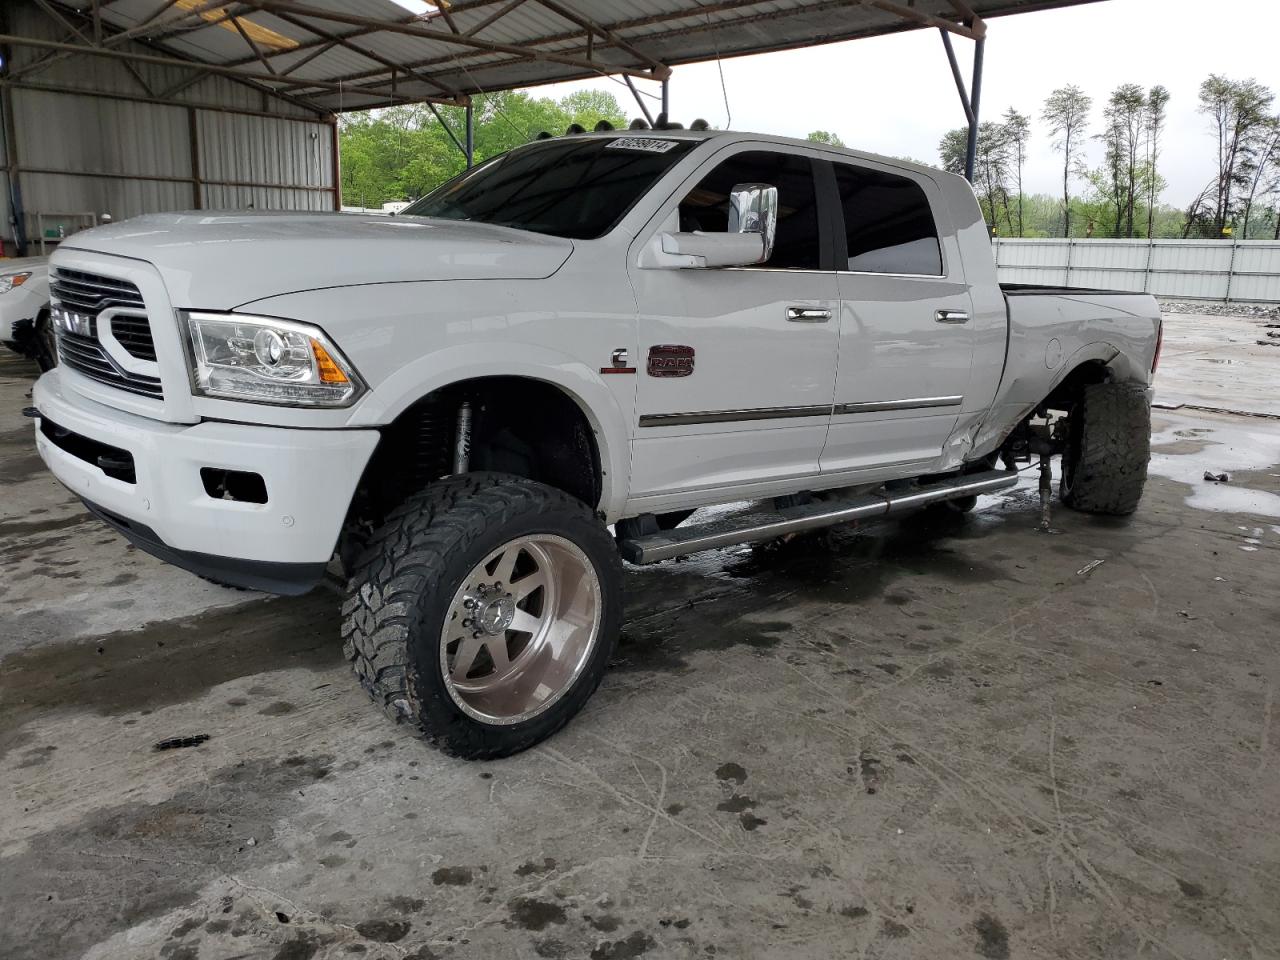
(755,527)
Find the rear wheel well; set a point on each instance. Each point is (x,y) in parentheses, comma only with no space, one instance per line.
(519,426)
(1067,393)
(1042,432)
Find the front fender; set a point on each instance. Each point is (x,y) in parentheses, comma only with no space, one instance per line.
(454,364)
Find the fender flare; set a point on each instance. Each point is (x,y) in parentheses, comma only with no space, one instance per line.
(464,362)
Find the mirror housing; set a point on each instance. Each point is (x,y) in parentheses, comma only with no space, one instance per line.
(753,209)
(714,249)
(753,223)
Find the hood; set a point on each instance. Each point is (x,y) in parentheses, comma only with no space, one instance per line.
(219,260)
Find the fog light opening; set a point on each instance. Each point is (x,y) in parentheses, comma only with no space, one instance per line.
(237,485)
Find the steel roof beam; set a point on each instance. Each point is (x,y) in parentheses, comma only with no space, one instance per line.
(591,27)
(264,81)
(494,17)
(369,54)
(725,6)
(475,43)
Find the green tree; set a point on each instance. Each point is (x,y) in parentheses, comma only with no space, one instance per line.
(1066,111)
(403,152)
(822,136)
(990,167)
(1123,175)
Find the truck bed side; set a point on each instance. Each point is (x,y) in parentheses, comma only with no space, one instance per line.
(1055,330)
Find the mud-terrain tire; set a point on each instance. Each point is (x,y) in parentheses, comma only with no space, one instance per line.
(1104,467)
(460,556)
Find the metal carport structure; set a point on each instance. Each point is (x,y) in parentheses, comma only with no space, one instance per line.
(313,60)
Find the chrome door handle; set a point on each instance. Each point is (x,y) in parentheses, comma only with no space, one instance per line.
(808,315)
(951,316)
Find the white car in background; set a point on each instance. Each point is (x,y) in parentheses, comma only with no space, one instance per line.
(24,310)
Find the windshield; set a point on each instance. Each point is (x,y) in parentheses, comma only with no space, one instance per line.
(568,188)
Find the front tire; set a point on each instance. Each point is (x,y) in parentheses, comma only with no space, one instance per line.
(1104,468)
(484,612)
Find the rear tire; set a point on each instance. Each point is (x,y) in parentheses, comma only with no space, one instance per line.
(1109,444)
(483,613)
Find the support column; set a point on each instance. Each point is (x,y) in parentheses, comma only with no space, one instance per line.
(10,133)
(666,99)
(193,139)
(975,96)
(470,148)
(335,132)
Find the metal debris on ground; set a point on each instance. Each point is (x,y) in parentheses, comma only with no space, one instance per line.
(1089,567)
(178,743)
(1217,477)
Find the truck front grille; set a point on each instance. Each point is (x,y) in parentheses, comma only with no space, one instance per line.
(88,295)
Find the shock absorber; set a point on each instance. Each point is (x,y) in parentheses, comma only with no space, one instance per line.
(462,439)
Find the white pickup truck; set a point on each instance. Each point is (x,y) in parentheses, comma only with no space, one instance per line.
(457,404)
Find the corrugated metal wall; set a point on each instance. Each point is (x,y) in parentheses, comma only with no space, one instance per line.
(92,153)
(1245,271)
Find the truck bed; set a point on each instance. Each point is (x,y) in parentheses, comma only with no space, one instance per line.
(1038,289)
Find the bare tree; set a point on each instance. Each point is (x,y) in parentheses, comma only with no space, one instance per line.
(1157,112)
(1239,116)
(1122,134)
(1066,111)
(1266,179)
(1017,131)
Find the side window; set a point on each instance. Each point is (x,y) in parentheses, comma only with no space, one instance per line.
(796,245)
(888,225)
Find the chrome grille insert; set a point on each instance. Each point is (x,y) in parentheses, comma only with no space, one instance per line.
(87,295)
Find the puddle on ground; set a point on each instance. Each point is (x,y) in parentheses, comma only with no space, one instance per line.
(1187,448)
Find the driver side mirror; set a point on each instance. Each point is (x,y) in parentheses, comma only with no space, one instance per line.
(753,223)
(753,208)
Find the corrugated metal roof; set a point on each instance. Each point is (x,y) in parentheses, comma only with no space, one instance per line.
(340,55)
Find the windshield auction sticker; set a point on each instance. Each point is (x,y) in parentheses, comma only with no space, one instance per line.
(647,144)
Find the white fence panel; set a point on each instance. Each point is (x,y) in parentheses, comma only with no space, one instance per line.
(1246,270)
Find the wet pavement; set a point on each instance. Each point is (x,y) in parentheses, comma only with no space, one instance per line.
(942,737)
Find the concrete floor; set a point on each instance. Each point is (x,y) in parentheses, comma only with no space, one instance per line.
(917,740)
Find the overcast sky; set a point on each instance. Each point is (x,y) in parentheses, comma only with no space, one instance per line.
(894,95)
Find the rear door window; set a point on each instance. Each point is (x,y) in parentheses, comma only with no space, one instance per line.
(888,225)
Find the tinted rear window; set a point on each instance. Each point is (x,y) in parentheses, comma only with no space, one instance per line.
(888,225)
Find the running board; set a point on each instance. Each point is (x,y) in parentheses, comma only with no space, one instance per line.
(755,527)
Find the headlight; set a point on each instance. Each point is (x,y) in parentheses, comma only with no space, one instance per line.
(10,280)
(265,360)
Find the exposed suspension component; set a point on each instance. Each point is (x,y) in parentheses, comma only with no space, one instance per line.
(462,439)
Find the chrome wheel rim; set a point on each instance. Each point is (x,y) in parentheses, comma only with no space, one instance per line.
(520,629)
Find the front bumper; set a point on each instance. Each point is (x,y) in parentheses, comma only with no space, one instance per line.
(281,545)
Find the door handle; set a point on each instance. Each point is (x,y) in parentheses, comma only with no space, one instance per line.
(808,315)
(951,316)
